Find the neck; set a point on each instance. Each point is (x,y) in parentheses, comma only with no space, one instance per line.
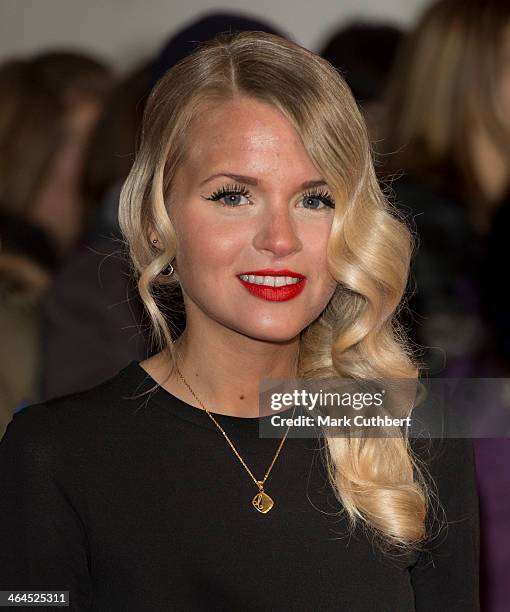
(224,368)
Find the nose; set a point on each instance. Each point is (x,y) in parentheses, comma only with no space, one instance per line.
(277,233)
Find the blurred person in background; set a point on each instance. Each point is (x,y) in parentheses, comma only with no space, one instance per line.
(493,455)
(91,311)
(93,304)
(26,267)
(48,105)
(446,145)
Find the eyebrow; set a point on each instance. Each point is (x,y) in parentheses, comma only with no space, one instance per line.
(249,180)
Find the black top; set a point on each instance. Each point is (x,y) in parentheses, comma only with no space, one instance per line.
(136,505)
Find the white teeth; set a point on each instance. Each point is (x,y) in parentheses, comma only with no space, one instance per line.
(270,281)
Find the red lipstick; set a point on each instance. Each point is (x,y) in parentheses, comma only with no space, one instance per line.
(274,294)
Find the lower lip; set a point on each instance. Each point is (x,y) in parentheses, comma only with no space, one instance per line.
(275,294)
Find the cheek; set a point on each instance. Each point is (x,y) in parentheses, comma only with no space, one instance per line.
(329,283)
(210,251)
(315,243)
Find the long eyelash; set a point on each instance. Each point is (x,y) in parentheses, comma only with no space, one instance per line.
(322,194)
(237,189)
(226,190)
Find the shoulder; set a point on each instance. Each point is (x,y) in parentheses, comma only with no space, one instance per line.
(78,418)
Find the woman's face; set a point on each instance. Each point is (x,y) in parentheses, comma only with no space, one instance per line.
(249,207)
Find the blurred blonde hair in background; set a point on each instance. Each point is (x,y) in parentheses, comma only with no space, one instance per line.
(450,85)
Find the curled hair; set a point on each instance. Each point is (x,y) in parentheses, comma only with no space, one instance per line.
(376,480)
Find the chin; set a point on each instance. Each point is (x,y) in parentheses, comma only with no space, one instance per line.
(271,333)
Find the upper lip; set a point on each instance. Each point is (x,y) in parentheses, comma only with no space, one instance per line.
(269,272)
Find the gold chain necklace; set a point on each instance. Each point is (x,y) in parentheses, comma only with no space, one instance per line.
(262,502)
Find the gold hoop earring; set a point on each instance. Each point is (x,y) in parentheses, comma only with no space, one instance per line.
(167,270)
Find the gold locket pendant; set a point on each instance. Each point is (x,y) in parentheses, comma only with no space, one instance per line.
(262,502)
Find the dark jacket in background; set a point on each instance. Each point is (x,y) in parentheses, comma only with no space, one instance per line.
(28,261)
(460,311)
(92,320)
(445,314)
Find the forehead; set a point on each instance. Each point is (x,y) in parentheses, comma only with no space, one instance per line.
(246,132)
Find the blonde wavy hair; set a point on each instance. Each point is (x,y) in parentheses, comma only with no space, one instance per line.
(377,480)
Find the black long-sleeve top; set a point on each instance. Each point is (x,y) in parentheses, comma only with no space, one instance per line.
(136,503)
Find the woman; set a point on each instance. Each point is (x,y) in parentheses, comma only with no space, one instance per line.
(48,105)
(154,491)
(446,140)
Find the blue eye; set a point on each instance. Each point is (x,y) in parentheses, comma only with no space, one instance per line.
(313,200)
(230,195)
(232,199)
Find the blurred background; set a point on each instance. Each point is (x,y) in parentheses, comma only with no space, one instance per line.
(123,31)
(433,82)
